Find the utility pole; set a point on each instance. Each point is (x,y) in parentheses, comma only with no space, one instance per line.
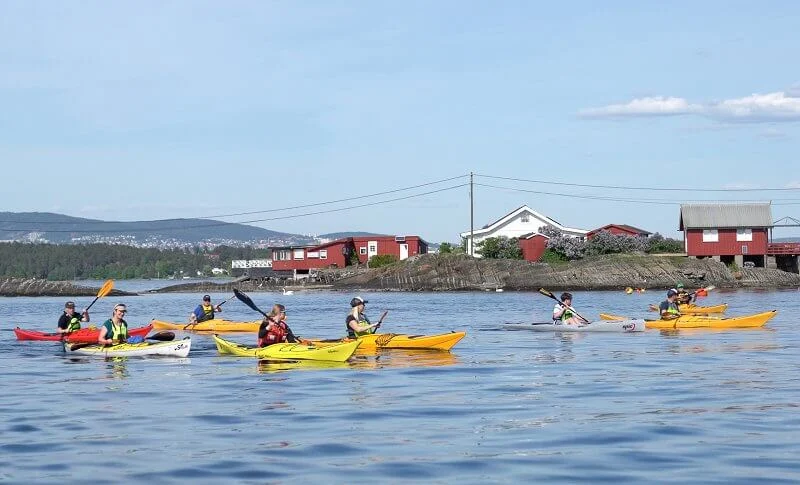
(471,219)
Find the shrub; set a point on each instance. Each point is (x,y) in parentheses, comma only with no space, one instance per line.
(659,244)
(499,248)
(445,248)
(549,256)
(566,246)
(380,260)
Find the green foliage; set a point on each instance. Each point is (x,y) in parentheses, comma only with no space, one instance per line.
(380,260)
(499,248)
(445,248)
(733,267)
(102,261)
(354,260)
(552,257)
(660,244)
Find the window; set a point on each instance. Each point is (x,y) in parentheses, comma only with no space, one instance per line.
(323,254)
(298,254)
(313,254)
(744,249)
(710,235)
(525,218)
(373,248)
(283,255)
(744,234)
(362,250)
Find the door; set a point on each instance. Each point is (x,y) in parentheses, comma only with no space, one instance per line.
(403,251)
(372,249)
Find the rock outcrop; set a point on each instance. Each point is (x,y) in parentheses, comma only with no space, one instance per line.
(37,287)
(460,272)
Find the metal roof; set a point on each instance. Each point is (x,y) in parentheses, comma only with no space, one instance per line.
(696,216)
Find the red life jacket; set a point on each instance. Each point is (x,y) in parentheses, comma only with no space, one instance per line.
(276,333)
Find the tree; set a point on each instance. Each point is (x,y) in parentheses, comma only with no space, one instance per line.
(499,248)
(445,248)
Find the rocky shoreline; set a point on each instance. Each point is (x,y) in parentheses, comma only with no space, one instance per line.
(453,272)
(38,287)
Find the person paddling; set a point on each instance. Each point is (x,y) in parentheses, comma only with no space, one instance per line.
(669,308)
(70,320)
(204,311)
(357,322)
(274,330)
(563,313)
(115,329)
(684,297)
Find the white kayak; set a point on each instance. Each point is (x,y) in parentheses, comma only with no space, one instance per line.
(618,326)
(178,348)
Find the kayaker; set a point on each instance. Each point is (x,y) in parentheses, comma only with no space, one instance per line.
(669,308)
(562,312)
(204,311)
(70,320)
(684,297)
(274,330)
(357,322)
(115,329)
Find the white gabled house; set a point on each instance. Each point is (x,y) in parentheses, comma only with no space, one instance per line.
(520,222)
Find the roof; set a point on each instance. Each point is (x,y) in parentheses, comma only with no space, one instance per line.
(533,234)
(621,226)
(702,216)
(548,220)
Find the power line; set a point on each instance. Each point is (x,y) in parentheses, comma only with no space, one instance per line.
(316,204)
(672,189)
(634,200)
(217,224)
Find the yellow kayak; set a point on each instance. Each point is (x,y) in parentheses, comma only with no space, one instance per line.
(335,353)
(692,309)
(697,321)
(216,325)
(444,341)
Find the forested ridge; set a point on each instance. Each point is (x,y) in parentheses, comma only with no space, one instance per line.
(100,261)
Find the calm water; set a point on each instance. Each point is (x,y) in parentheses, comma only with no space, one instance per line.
(503,407)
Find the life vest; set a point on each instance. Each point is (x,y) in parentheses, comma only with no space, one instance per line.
(118,333)
(276,333)
(683,297)
(208,312)
(672,311)
(362,320)
(564,316)
(74,323)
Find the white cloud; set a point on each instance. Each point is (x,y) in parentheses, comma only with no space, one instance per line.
(650,106)
(756,108)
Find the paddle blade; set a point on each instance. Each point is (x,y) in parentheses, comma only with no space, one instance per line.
(547,293)
(247,301)
(105,289)
(164,336)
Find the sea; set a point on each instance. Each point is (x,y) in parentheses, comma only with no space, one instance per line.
(502,407)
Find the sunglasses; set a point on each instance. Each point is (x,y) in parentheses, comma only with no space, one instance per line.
(120,310)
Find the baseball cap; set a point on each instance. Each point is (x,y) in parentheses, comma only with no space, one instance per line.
(206,298)
(672,292)
(69,304)
(680,285)
(358,301)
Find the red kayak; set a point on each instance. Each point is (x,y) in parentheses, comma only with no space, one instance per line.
(84,335)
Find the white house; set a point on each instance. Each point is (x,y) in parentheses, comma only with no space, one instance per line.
(519,222)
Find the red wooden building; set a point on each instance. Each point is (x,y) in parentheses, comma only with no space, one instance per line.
(339,253)
(533,246)
(730,233)
(619,230)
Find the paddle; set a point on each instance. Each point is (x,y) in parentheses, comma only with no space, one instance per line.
(164,336)
(550,295)
(237,280)
(247,301)
(103,291)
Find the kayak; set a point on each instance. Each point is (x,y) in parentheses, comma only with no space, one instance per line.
(335,353)
(697,321)
(217,325)
(618,326)
(84,335)
(692,309)
(178,348)
(443,341)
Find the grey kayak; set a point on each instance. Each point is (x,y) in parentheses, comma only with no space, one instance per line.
(618,326)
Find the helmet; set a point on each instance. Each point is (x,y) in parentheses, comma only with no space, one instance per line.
(357,301)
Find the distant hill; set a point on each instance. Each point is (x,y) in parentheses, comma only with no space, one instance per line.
(786,239)
(62,229)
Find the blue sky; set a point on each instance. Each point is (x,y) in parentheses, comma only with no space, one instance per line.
(152,110)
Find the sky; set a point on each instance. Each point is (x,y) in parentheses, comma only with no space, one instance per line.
(246,111)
